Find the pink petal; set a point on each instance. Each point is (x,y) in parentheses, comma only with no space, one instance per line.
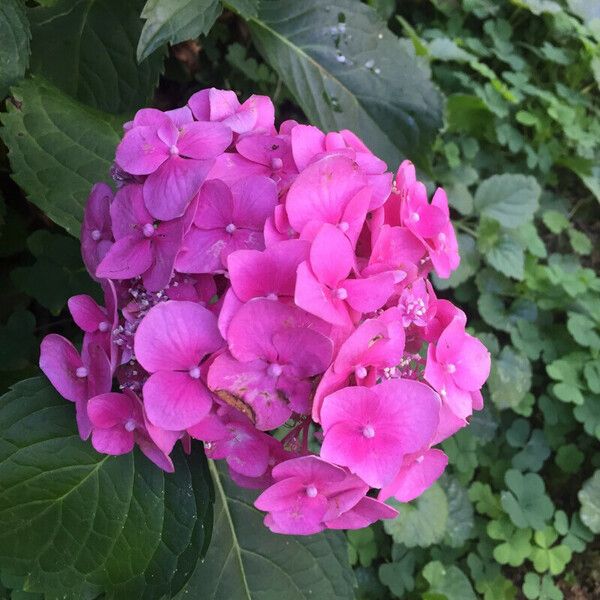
(175,400)
(331,256)
(114,441)
(215,206)
(370,293)
(141,151)
(254,199)
(86,313)
(59,360)
(169,190)
(365,513)
(307,142)
(203,140)
(416,476)
(110,409)
(310,469)
(201,251)
(96,233)
(128,257)
(166,242)
(128,212)
(315,298)
(176,335)
(310,351)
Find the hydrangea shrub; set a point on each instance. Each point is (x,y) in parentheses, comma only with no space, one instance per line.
(266,292)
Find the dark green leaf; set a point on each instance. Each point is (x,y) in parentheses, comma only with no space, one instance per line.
(526,502)
(57,149)
(76,523)
(17,341)
(510,378)
(14,43)
(589,496)
(245,8)
(347,70)
(87,48)
(245,560)
(447,582)
(175,21)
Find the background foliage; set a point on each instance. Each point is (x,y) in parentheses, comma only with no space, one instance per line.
(497,101)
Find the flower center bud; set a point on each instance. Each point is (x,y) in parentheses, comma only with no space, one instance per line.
(230,228)
(194,372)
(271,296)
(443,392)
(96,235)
(311,491)
(360,372)
(148,230)
(81,372)
(415,217)
(274,370)
(451,368)
(174,150)
(344,226)
(341,293)
(103,326)
(129,425)
(442,237)
(276,163)
(368,431)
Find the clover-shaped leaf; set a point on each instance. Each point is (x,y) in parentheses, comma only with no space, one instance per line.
(362,546)
(460,513)
(569,458)
(486,502)
(578,535)
(526,502)
(589,496)
(588,414)
(547,557)
(533,454)
(489,581)
(540,588)
(515,546)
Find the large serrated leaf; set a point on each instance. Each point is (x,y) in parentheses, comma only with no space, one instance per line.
(247,562)
(14,43)
(76,524)
(58,149)
(175,21)
(347,70)
(87,48)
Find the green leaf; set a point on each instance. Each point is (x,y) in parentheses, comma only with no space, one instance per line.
(245,560)
(506,255)
(14,43)
(591,370)
(537,588)
(545,556)
(57,149)
(526,502)
(447,582)
(555,221)
(510,378)
(421,522)
(18,342)
(363,546)
(589,496)
(469,114)
(515,546)
(58,272)
(445,49)
(245,8)
(175,21)
(486,502)
(588,414)
(75,523)
(347,70)
(509,199)
(460,513)
(538,7)
(580,242)
(87,49)
(399,574)
(582,329)
(569,458)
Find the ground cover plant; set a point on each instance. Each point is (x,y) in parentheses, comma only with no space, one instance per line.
(497,102)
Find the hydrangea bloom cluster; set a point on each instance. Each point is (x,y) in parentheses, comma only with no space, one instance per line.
(266,292)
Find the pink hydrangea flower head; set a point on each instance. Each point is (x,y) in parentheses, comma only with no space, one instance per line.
(170,343)
(370,430)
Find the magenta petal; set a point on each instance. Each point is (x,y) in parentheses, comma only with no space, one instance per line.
(365,513)
(96,233)
(307,142)
(166,242)
(203,140)
(281,495)
(110,409)
(175,400)
(331,256)
(176,335)
(254,199)
(128,257)
(86,313)
(113,441)
(416,476)
(155,454)
(59,360)
(169,189)
(370,293)
(201,251)
(141,151)
(128,212)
